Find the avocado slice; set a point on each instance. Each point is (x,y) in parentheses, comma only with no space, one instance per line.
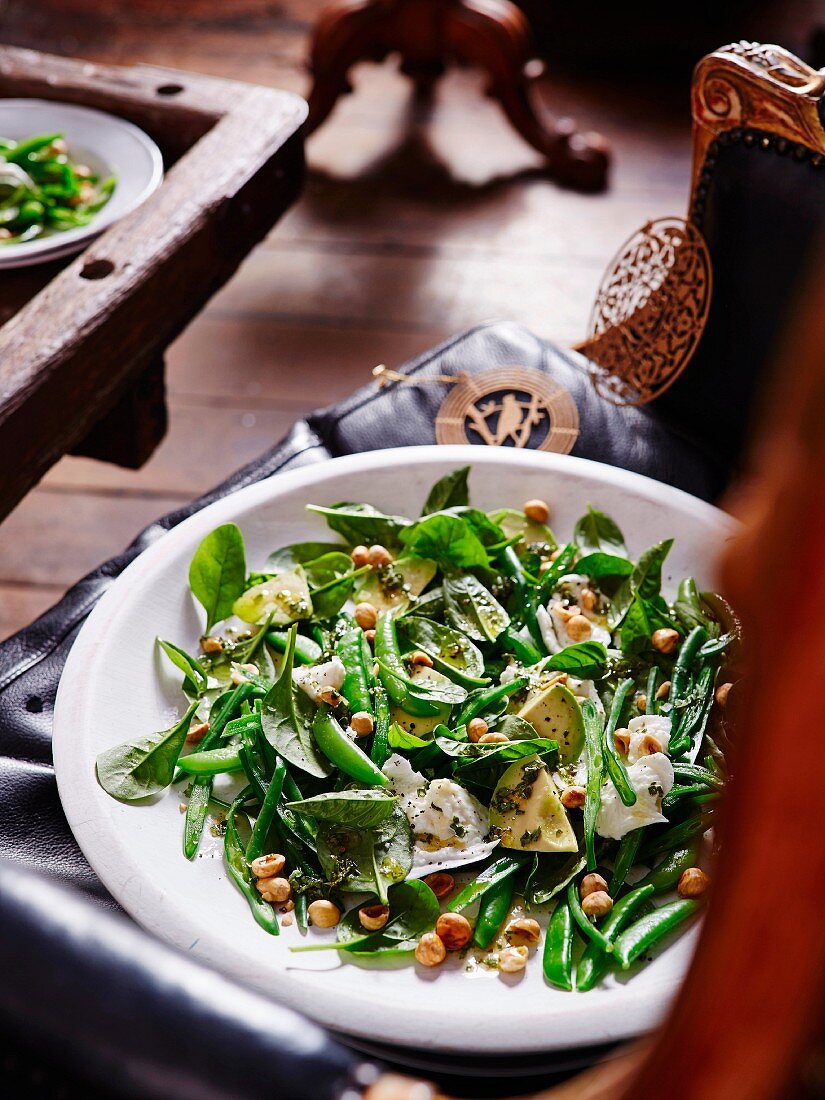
(285,596)
(393,584)
(515,523)
(526,811)
(422,725)
(555,713)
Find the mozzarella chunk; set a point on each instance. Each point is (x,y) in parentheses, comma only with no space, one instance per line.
(553,627)
(651,779)
(647,725)
(448,824)
(313,679)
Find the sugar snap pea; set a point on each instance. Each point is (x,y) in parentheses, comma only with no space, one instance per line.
(266,814)
(595,962)
(504,868)
(492,912)
(380,749)
(665,875)
(651,929)
(392,673)
(307,651)
(343,752)
(353,650)
(595,773)
(479,701)
(625,858)
(558,948)
(582,920)
(212,762)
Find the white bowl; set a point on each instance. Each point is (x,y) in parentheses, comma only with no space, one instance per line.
(109,145)
(114,688)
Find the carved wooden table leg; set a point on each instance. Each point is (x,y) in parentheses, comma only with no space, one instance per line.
(492,35)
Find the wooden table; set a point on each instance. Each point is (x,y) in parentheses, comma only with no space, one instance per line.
(82,341)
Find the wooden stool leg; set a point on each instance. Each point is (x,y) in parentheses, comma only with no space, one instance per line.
(131,430)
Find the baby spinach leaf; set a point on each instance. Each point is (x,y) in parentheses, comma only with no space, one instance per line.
(143,768)
(472,609)
(414,909)
(361,523)
(366,859)
(517,729)
(549,875)
(636,628)
(599,564)
(584,660)
(486,529)
(448,540)
(286,719)
(217,573)
(647,576)
(448,491)
(399,738)
(300,553)
(452,652)
(332,578)
(596,531)
(194,677)
(357,809)
(473,766)
(432,690)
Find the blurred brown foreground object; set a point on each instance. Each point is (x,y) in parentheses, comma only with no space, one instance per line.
(492,35)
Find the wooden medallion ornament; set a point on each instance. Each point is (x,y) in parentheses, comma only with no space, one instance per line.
(504,407)
(650,312)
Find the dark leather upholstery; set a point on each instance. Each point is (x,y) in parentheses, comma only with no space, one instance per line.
(120,998)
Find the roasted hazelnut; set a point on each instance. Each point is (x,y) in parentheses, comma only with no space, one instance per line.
(197,732)
(440,883)
(693,883)
(430,950)
(476,728)
(267,866)
(537,510)
(373,917)
(664,690)
(588,599)
(578,628)
(597,904)
(366,616)
(665,640)
(323,914)
(212,645)
(453,930)
(512,959)
(573,798)
(523,932)
(274,890)
(420,658)
(362,723)
(722,693)
(493,739)
(378,556)
(591,884)
(360,556)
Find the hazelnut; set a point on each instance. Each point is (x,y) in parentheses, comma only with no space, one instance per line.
(573,798)
(366,616)
(267,866)
(693,883)
(420,658)
(578,628)
(537,510)
(274,890)
(430,950)
(641,703)
(323,914)
(361,723)
(665,640)
(197,732)
(493,739)
(588,599)
(512,960)
(370,636)
(566,613)
(440,883)
(379,555)
(373,917)
(722,693)
(476,728)
(621,739)
(212,645)
(649,744)
(591,884)
(453,930)
(597,904)
(664,690)
(360,556)
(523,932)
(329,696)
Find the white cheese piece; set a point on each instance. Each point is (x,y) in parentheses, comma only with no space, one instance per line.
(449,825)
(647,725)
(651,779)
(313,679)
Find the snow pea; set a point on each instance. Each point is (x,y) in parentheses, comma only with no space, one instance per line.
(580,917)
(212,762)
(353,650)
(477,702)
(615,765)
(503,868)
(558,948)
(307,651)
(594,963)
(595,772)
(388,655)
(665,875)
(649,930)
(380,749)
(492,912)
(343,752)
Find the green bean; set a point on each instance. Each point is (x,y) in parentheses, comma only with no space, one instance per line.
(615,765)
(266,815)
(380,749)
(503,868)
(24,149)
(649,930)
(550,578)
(353,650)
(595,962)
(679,792)
(697,774)
(665,875)
(343,752)
(681,670)
(307,651)
(694,722)
(595,772)
(477,702)
(625,858)
(558,948)
(392,673)
(524,651)
(650,692)
(492,912)
(580,917)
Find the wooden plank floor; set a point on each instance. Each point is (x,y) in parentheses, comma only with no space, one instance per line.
(413,225)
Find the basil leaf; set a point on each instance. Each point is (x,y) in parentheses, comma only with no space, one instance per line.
(286,719)
(361,523)
(217,573)
(647,576)
(448,491)
(584,660)
(452,652)
(599,564)
(472,609)
(486,529)
(448,540)
(366,859)
(322,573)
(620,603)
(299,553)
(472,766)
(636,628)
(596,531)
(414,909)
(517,729)
(194,678)
(357,809)
(140,769)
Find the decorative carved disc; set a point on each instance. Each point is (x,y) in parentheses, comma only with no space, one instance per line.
(509,407)
(650,312)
